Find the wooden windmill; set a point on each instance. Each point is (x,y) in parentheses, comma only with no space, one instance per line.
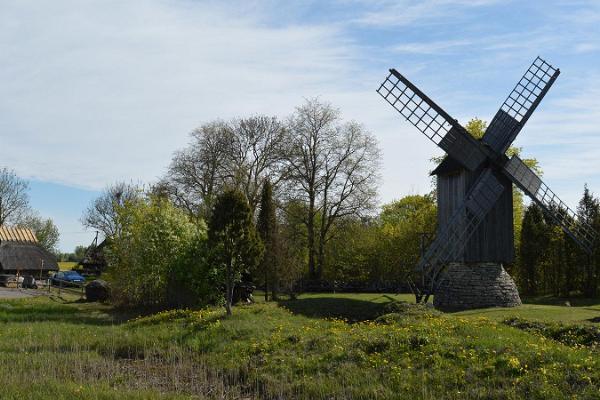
(463,265)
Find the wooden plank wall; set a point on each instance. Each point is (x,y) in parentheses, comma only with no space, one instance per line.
(494,239)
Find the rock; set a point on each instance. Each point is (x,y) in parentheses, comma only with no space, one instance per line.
(466,286)
(97,290)
(242,292)
(29,282)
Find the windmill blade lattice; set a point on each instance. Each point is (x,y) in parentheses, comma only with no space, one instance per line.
(538,191)
(519,105)
(431,120)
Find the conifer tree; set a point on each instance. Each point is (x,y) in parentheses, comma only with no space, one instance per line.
(588,212)
(267,229)
(235,246)
(534,239)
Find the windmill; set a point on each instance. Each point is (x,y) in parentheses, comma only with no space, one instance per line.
(463,266)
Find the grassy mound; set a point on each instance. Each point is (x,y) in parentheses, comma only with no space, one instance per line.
(572,335)
(267,351)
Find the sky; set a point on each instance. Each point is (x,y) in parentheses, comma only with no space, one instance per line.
(93,92)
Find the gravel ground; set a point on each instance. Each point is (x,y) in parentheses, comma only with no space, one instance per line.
(9,293)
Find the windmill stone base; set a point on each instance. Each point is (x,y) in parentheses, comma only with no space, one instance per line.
(467,286)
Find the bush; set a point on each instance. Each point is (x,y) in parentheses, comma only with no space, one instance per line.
(158,259)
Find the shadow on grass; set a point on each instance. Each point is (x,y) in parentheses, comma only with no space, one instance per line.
(561,301)
(353,310)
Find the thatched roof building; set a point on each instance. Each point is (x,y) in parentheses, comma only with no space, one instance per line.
(21,252)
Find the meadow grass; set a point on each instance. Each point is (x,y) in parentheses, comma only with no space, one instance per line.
(305,349)
(66,265)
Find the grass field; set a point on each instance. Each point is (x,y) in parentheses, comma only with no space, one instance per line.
(310,348)
(66,265)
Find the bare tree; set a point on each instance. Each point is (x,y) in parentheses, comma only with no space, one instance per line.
(238,154)
(102,214)
(333,169)
(260,147)
(14,200)
(350,178)
(198,172)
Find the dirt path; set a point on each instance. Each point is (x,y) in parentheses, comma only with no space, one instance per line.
(6,293)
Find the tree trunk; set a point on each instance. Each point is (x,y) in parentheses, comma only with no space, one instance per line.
(274,284)
(310,225)
(321,256)
(266,284)
(229,288)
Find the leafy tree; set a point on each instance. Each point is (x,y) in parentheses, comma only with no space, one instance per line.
(292,247)
(385,249)
(268,231)
(235,246)
(45,230)
(14,200)
(158,259)
(79,253)
(403,225)
(534,241)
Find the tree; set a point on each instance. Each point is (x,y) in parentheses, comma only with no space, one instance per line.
(260,147)
(588,212)
(268,231)
(14,200)
(79,253)
(405,226)
(333,169)
(292,246)
(197,173)
(103,213)
(159,259)
(534,241)
(235,246)
(240,153)
(45,230)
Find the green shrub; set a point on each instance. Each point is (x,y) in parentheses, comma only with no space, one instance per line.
(158,259)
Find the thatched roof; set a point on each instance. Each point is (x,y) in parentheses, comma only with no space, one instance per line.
(20,251)
(22,235)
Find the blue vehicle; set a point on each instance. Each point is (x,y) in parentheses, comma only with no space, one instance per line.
(67,278)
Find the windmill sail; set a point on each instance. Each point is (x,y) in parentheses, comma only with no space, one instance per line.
(465,220)
(431,120)
(519,105)
(532,185)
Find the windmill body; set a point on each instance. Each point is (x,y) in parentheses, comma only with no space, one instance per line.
(463,266)
(493,240)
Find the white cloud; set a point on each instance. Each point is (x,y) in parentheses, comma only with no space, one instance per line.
(97,91)
(92,92)
(406,12)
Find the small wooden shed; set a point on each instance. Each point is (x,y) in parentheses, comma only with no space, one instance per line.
(493,241)
(20,252)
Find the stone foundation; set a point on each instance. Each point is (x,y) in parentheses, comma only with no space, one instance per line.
(475,285)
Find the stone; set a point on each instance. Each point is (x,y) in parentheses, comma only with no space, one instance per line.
(97,290)
(466,286)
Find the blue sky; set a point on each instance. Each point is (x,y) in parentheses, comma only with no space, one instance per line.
(97,91)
